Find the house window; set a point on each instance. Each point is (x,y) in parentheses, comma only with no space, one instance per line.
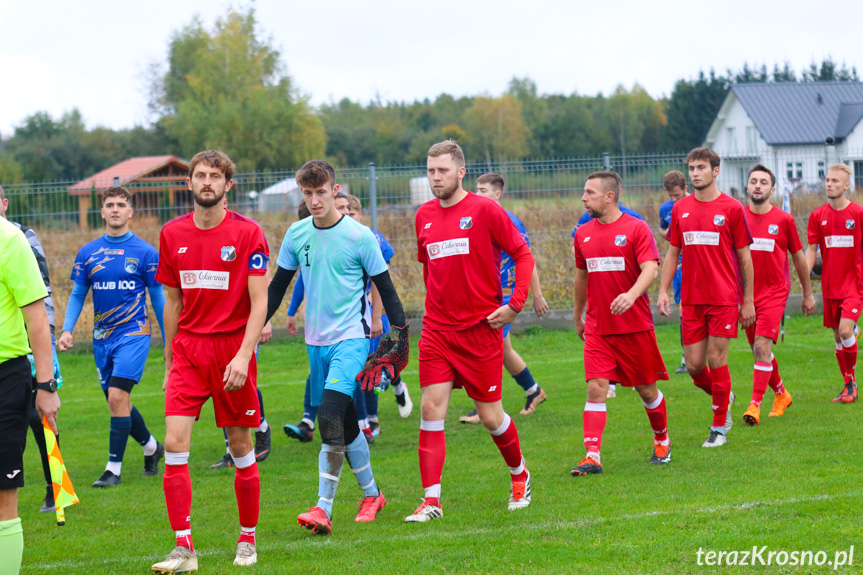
(794,171)
(732,140)
(821,171)
(751,138)
(858,175)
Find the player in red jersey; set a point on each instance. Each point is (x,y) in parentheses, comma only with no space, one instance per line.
(616,260)
(774,234)
(213,264)
(709,229)
(837,227)
(459,239)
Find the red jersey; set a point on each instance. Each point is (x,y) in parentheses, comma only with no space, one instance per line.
(709,235)
(838,234)
(212,267)
(460,247)
(612,254)
(774,234)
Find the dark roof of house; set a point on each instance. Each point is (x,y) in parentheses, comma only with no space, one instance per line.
(788,113)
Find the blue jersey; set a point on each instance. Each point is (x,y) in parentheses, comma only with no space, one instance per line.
(585,217)
(507,264)
(118,272)
(386,249)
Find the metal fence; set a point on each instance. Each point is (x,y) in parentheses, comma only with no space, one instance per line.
(544,194)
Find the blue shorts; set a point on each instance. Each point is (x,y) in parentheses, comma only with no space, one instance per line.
(509,325)
(678,280)
(373,343)
(123,357)
(336,367)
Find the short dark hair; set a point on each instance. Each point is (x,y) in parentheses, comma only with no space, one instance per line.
(315,173)
(216,159)
(703,154)
(674,179)
(763,168)
(117,192)
(496,181)
(610,182)
(303,211)
(341,196)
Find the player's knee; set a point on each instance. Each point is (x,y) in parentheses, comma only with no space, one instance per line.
(331,417)
(761,350)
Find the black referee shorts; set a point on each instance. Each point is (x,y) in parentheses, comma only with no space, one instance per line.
(15,398)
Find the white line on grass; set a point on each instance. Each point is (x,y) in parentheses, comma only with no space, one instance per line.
(520,527)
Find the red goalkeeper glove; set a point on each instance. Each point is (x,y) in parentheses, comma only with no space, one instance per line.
(392,355)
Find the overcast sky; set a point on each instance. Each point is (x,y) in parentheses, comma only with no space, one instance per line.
(94,54)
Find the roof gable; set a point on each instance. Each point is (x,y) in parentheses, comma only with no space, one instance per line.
(788,113)
(126,171)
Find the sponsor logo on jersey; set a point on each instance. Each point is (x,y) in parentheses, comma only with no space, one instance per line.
(839,241)
(849,224)
(492,388)
(229,254)
(823,222)
(685,215)
(428,225)
(250,411)
(122,284)
(204,279)
(114,252)
(465,223)
(587,239)
(772,229)
(446,248)
(606,264)
(719,220)
(131,265)
(762,245)
(182,250)
(620,241)
(701,238)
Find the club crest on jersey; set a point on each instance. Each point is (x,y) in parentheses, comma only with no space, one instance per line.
(620,241)
(465,223)
(229,254)
(131,265)
(849,224)
(773,229)
(719,220)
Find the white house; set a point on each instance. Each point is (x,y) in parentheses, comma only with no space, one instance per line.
(795,129)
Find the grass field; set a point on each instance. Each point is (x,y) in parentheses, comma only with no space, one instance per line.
(790,484)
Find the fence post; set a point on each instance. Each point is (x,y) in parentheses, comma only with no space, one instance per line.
(373,195)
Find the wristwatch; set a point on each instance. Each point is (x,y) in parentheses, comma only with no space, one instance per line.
(50,385)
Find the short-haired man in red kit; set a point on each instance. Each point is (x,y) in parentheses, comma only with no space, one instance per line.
(459,239)
(709,229)
(774,234)
(213,264)
(616,260)
(837,227)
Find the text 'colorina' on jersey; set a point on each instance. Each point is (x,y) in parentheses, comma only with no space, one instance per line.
(460,247)
(838,233)
(336,263)
(212,268)
(612,254)
(774,234)
(118,272)
(709,235)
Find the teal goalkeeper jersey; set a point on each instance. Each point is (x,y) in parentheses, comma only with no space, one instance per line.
(336,263)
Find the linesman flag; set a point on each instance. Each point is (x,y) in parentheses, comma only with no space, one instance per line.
(64,492)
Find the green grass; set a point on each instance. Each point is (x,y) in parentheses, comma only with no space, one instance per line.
(790,484)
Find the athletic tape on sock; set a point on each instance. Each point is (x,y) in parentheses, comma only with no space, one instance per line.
(655,403)
(432,425)
(849,342)
(245,461)
(503,426)
(591,406)
(177,458)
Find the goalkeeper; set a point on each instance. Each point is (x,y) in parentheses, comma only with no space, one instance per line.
(337,255)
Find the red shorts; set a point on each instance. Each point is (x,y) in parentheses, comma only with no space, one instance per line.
(700,321)
(629,359)
(836,309)
(196,375)
(470,358)
(768,321)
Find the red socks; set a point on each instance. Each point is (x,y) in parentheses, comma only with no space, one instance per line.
(658,419)
(721,392)
(850,357)
(432,454)
(704,380)
(506,439)
(840,359)
(776,381)
(178,498)
(593,420)
(761,376)
(247,486)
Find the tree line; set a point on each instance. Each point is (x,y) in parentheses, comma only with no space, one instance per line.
(227,88)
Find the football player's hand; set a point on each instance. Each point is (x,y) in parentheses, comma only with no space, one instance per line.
(266,333)
(377,327)
(579,326)
(236,372)
(47,405)
(165,380)
(540,306)
(663,304)
(291,324)
(622,303)
(392,355)
(747,314)
(808,305)
(504,315)
(65,342)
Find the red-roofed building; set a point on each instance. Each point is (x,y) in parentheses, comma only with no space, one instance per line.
(151,179)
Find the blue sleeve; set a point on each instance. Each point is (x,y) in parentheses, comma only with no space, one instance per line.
(157,298)
(386,249)
(74,306)
(369,253)
(297,296)
(150,276)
